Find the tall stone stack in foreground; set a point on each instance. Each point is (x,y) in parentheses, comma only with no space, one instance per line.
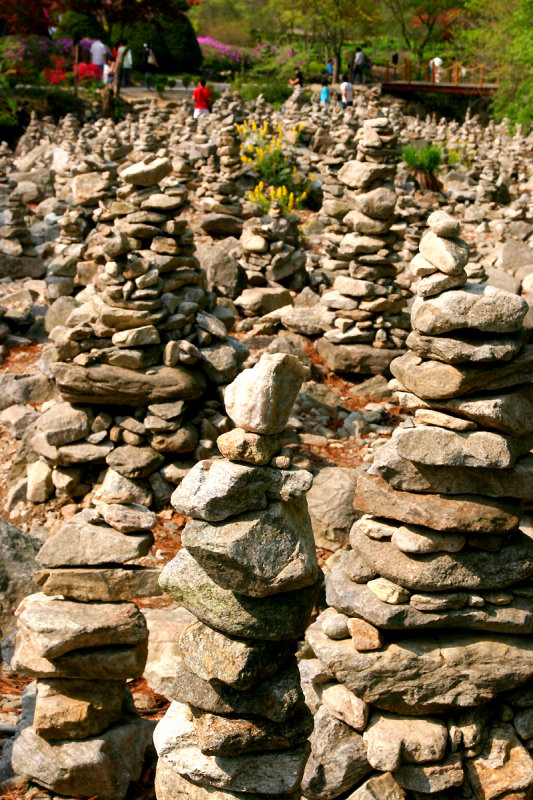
(82,640)
(431,612)
(248,572)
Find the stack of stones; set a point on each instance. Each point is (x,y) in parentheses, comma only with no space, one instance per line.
(431,612)
(218,191)
(80,733)
(370,327)
(270,251)
(248,572)
(138,344)
(69,248)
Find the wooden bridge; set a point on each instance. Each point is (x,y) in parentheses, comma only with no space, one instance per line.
(454,79)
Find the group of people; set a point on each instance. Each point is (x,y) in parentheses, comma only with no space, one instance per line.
(106,61)
(355,72)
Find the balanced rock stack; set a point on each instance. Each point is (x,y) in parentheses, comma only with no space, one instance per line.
(431,612)
(140,344)
(369,328)
(80,733)
(248,572)
(218,190)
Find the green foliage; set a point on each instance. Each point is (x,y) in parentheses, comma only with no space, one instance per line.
(422,159)
(274,92)
(75,25)
(173,42)
(186,80)
(502,39)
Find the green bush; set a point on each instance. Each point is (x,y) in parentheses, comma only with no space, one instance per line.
(273,92)
(186,80)
(422,159)
(75,25)
(174,43)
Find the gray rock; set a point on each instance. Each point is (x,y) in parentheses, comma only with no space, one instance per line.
(277,617)
(176,742)
(134,462)
(330,502)
(17,566)
(432,445)
(165,626)
(476,306)
(103,765)
(360,358)
(276,698)
(17,419)
(170,785)
(357,600)
(56,626)
(79,543)
(224,274)
(449,255)
(262,552)
(108,385)
(104,584)
(62,424)
(216,489)
(457,350)
(20,388)
(468,569)
(337,761)
(428,675)
(393,740)
(433,777)
(238,663)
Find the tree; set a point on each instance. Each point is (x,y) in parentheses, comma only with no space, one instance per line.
(422,22)
(502,40)
(27,17)
(331,22)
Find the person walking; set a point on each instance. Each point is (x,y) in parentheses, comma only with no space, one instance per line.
(325,94)
(329,68)
(150,65)
(346,88)
(202,99)
(124,50)
(99,53)
(108,74)
(358,65)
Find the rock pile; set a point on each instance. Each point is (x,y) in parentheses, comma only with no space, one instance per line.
(248,572)
(140,344)
(80,733)
(369,326)
(428,633)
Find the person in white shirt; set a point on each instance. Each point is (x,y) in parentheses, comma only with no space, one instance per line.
(98,54)
(346,92)
(108,75)
(127,63)
(358,64)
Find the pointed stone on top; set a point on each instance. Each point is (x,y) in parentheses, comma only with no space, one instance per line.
(260,399)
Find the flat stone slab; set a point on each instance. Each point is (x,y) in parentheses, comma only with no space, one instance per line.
(462,513)
(108,385)
(170,785)
(83,544)
(459,349)
(277,617)
(406,476)
(434,380)
(429,674)
(358,358)
(479,306)
(57,626)
(357,600)
(468,569)
(105,584)
(113,662)
(509,412)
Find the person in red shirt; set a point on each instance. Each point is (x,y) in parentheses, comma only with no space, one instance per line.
(202,99)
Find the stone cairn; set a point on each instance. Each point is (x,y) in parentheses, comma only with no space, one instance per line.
(248,572)
(369,327)
(80,733)
(137,347)
(428,632)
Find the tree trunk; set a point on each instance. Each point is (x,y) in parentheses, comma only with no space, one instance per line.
(336,65)
(108,102)
(118,74)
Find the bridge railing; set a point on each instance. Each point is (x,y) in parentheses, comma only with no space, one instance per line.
(454,74)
